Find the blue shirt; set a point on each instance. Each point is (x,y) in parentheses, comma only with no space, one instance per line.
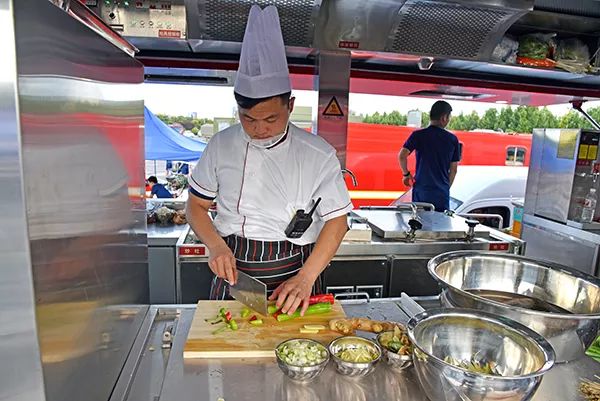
(160,191)
(436,149)
(184,169)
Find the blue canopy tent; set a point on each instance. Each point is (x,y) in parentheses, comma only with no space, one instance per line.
(164,143)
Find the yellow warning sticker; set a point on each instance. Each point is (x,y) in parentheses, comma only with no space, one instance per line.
(567,144)
(333,108)
(583,152)
(592,152)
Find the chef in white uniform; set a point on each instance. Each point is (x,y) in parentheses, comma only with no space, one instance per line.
(260,173)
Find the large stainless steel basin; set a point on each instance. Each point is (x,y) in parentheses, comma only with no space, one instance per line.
(522,356)
(525,283)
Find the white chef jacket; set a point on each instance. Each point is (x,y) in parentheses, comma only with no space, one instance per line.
(258,190)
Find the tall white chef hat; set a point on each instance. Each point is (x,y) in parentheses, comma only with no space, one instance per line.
(263,70)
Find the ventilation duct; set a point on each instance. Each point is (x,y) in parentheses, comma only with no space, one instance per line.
(224,20)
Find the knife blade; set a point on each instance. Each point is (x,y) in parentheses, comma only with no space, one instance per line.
(251,292)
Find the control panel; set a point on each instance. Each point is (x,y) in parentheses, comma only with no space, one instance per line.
(143,18)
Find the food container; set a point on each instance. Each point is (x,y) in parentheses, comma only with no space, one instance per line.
(354,369)
(392,358)
(301,373)
(521,356)
(568,301)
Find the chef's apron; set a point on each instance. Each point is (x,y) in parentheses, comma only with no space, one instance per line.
(272,262)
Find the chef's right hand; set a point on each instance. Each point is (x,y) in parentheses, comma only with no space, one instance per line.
(408,180)
(222,263)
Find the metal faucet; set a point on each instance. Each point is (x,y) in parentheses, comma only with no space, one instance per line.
(352,176)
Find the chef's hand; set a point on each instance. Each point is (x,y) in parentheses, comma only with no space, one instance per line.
(222,263)
(408,180)
(293,293)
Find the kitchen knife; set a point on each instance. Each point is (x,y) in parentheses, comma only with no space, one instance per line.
(251,292)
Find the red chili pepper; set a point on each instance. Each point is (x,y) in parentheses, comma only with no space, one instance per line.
(532,62)
(253,318)
(228,316)
(279,312)
(321,298)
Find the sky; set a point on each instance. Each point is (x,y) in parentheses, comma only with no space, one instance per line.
(218,101)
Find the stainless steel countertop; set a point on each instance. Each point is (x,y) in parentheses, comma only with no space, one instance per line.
(163,375)
(159,235)
(378,247)
(591,237)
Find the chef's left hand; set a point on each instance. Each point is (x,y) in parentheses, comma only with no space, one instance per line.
(292,293)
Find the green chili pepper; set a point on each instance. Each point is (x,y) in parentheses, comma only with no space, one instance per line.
(312,310)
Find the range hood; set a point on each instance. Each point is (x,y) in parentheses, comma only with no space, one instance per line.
(451,29)
(388,39)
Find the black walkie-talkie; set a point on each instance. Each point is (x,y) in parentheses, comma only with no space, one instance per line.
(301,222)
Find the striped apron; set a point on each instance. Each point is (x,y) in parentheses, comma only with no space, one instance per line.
(272,262)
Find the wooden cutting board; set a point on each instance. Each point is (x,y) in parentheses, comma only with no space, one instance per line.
(249,341)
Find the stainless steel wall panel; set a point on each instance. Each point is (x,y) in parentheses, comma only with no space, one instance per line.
(535,167)
(557,166)
(559,243)
(81,116)
(333,84)
(20,370)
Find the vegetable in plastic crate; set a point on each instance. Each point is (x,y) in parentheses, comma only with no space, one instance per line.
(536,46)
(572,55)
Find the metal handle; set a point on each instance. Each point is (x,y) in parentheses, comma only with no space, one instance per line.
(424,206)
(426,298)
(353,294)
(402,206)
(409,306)
(485,216)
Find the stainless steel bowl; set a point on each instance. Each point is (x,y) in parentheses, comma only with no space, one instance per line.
(522,355)
(351,368)
(393,359)
(486,281)
(301,373)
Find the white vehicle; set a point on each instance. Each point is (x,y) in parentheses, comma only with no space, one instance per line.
(485,190)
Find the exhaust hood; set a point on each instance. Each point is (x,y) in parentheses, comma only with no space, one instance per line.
(225,20)
(442,28)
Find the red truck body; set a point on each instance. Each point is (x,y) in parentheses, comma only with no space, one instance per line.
(372,155)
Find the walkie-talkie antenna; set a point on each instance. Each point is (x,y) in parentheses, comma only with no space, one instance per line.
(314,207)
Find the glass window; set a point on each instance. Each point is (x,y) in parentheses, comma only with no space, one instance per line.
(515,156)
(454,203)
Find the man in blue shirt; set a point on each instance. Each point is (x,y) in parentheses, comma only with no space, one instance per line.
(158,189)
(438,154)
(184,169)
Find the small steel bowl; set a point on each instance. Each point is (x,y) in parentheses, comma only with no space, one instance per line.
(393,359)
(301,373)
(350,368)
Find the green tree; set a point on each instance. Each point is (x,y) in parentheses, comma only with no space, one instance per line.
(547,119)
(573,119)
(595,113)
(464,122)
(505,120)
(425,120)
(188,122)
(489,119)
(521,119)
